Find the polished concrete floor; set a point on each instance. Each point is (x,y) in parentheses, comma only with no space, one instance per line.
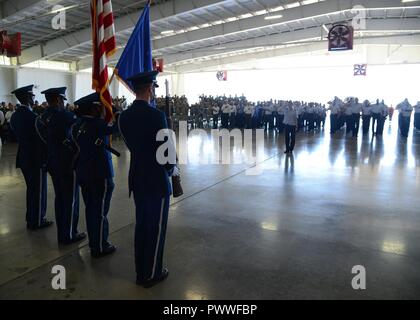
(293,232)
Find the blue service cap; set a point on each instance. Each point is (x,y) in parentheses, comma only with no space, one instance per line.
(23,90)
(88,101)
(144,78)
(56,91)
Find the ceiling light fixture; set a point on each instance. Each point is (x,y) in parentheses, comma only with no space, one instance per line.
(166,32)
(273,17)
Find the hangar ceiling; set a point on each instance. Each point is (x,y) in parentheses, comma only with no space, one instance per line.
(187,33)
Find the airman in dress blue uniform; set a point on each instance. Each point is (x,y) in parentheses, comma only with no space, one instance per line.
(31,159)
(53,127)
(148,180)
(94,170)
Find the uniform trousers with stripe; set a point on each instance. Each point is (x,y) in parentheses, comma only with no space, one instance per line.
(66,205)
(97,194)
(151,222)
(36,196)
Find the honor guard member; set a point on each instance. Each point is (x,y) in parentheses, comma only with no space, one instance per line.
(54,128)
(31,159)
(366,116)
(148,179)
(216,111)
(405,110)
(417,116)
(94,170)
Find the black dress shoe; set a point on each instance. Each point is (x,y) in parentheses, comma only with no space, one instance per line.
(43,225)
(106,251)
(150,283)
(77,238)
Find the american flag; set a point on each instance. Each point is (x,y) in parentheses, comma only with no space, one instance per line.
(221,75)
(104,46)
(360,69)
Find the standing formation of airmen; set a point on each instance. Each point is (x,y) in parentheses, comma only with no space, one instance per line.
(349,112)
(237,112)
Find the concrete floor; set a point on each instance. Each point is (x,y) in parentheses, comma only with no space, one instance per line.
(293,232)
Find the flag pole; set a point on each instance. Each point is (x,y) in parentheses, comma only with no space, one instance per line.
(176,180)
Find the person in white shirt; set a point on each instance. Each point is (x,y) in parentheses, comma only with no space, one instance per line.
(417,116)
(405,110)
(9,115)
(355,108)
(225,115)
(216,112)
(280,116)
(249,112)
(232,116)
(366,116)
(268,116)
(383,114)
(309,115)
(376,114)
(291,122)
(335,107)
(348,115)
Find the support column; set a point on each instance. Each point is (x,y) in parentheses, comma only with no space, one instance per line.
(178,84)
(73,91)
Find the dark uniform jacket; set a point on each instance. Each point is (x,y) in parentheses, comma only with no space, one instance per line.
(139,126)
(31,151)
(54,126)
(93,161)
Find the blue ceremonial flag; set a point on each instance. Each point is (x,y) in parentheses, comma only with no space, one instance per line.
(137,55)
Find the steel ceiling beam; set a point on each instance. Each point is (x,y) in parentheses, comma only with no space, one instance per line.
(222,63)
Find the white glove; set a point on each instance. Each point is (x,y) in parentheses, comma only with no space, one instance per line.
(176,172)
